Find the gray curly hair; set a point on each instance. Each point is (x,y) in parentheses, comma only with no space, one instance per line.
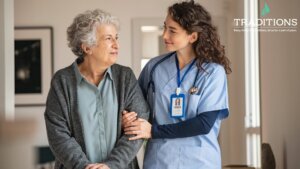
(83,29)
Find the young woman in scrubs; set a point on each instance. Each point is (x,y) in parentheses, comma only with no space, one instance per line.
(187,92)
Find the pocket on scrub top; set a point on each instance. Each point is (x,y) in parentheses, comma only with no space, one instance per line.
(193,157)
(193,102)
(161,156)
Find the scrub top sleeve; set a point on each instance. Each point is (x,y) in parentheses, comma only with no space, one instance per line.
(144,79)
(198,125)
(215,96)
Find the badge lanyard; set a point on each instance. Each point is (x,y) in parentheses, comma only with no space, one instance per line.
(177,100)
(179,81)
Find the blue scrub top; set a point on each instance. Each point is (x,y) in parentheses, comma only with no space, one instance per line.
(198,152)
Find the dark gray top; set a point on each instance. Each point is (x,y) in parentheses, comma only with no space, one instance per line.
(64,126)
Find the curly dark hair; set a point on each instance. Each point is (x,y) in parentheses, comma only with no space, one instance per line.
(193,17)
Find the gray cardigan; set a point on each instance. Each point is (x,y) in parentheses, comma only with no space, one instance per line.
(64,130)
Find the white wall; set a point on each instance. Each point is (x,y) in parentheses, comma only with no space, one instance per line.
(60,14)
(6,51)
(280,81)
(150,46)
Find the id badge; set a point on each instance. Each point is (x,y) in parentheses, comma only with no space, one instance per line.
(177,104)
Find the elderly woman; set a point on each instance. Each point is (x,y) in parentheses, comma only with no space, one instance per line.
(85,101)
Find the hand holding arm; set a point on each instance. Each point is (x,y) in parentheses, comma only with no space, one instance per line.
(141,128)
(198,125)
(127,118)
(97,166)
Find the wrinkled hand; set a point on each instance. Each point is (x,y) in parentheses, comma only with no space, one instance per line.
(97,166)
(127,118)
(141,128)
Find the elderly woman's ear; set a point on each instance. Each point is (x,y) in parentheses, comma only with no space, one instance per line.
(86,49)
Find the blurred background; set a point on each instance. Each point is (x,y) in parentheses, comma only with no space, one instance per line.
(263,88)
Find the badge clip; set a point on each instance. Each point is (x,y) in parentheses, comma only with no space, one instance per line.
(178,90)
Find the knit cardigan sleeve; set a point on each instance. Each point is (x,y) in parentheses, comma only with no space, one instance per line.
(66,148)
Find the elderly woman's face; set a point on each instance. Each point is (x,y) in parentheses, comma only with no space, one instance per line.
(106,49)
